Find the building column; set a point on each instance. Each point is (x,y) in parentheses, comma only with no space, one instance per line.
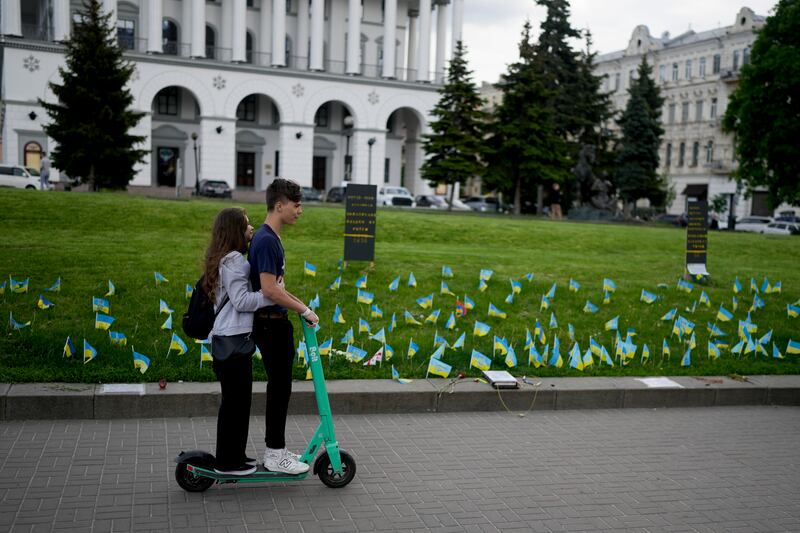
(239,31)
(61,23)
(278,33)
(110,6)
(411,66)
(143,170)
(301,46)
(185,46)
(424,52)
(442,10)
(458,23)
(225,27)
(217,150)
(389,38)
(11,18)
(336,46)
(415,155)
(265,37)
(154,32)
(353,37)
(296,154)
(198,28)
(317,33)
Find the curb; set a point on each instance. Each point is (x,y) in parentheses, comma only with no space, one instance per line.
(28,401)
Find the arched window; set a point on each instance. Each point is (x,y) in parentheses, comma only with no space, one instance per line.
(681,154)
(169,36)
(710,152)
(211,42)
(695,153)
(32,155)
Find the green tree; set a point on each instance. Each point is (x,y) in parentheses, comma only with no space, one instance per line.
(764,111)
(525,147)
(455,146)
(92,119)
(637,155)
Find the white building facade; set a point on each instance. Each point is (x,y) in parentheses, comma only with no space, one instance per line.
(697,73)
(249,90)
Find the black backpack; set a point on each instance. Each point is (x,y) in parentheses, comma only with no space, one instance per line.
(198,320)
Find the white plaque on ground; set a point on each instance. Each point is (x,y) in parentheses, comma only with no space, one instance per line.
(660,383)
(127,388)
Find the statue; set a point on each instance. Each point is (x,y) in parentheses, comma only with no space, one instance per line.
(595,193)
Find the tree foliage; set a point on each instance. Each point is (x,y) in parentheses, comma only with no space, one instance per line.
(455,146)
(764,111)
(92,119)
(637,155)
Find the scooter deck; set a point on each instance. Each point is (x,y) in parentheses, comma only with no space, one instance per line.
(259,476)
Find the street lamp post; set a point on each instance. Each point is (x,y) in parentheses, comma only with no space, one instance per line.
(196,175)
(348,160)
(370,142)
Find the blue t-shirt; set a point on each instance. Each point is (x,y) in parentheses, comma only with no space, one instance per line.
(266,255)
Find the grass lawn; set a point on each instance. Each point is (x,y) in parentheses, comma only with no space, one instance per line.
(87,239)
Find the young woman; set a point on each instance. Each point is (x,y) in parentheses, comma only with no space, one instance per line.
(226,281)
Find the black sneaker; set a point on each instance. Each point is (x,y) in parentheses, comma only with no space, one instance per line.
(240,470)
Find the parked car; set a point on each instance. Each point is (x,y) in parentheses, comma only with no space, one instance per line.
(782,228)
(788,217)
(458,205)
(336,194)
(215,189)
(20,177)
(674,220)
(752,224)
(486,204)
(310,194)
(431,200)
(390,195)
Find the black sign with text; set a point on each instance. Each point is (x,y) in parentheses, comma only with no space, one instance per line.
(359,222)
(696,233)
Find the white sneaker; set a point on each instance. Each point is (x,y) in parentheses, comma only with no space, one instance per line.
(283,461)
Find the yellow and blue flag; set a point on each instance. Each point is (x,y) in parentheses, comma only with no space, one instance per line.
(444,289)
(687,358)
(704,299)
(187,291)
(18,287)
(645,354)
(257,354)
(412,281)
(544,304)
(469,305)
(571,332)
(167,323)
(159,277)
(609,285)
(516,287)
(485,274)
(595,346)
(792,311)
(364,297)
(361,283)
(438,367)
(482,286)
(334,286)
(44,303)
(102,321)
(647,297)
(89,352)
(337,316)
(394,284)
(589,307)
(451,322)
(309,269)
(766,288)
(141,361)
(118,338)
(612,324)
(375,312)
(164,308)
(354,353)
(325,347)
(510,298)
(479,361)
(511,357)
(551,294)
(737,286)
(606,357)
(555,358)
(574,286)
(528,276)
(684,286)
(438,340)
(177,344)
(776,353)
(392,323)
(723,315)
(499,344)
(425,302)
(3,287)
(112,289)
(496,312)
(314,302)
(606,297)
(433,317)
(413,348)
(734,303)
(575,359)
(447,272)
(397,378)
(713,350)
(99,304)
(69,348)
(553,321)
(348,337)
(363,326)
(205,355)
(55,287)
(388,351)
(776,288)
(439,351)
(587,359)
(534,357)
(380,336)
(480,329)
(459,341)
(409,319)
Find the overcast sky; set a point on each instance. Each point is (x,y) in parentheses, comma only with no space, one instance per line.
(492,27)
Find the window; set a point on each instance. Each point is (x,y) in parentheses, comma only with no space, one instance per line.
(616,81)
(674,72)
(288,53)
(695,153)
(386,163)
(662,73)
(211,42)
(688,72)
(321,118)
(33,155)
(746,56)
(672,113)
(685,112)
(698,111)
(631,77)
(167,101)
(709,152)
(288,10)
(668,155)
(247,109)
(126,34)
(248,47)
(717,63)
(277,162)
(169,37)
(702,67)
(276,115)
(681,154)
(712,112)
(736,60)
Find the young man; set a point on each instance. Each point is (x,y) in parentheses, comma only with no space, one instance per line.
(272,330)
(44,171)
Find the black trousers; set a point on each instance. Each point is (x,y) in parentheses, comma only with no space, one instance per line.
(235,376)
(275,338)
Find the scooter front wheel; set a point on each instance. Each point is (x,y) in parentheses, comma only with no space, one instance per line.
(191,482)
(335,480)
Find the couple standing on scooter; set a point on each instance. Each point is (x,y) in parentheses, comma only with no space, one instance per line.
(252,306)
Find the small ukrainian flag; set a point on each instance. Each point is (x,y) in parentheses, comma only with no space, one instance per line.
(412,281)
(89,352)
(361,283)
(55,287)
(44,303)
(481,329)
(167,323)
(112,290)
(409,318)
(612,324)
(142,362)
(447,272)
(177,344)
(102,321)
(164,308)
(187,292)
(433,317)
(413,348)
(337,316)
(496,312)
(425,302)
(99,304)
(118,338)
(394,284)
(69,348)
(438,367)
(309,269)
(159,277)
(364,297)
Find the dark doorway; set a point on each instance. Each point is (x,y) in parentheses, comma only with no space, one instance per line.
(318,172)
(245,169)
(167,169)
(760,205)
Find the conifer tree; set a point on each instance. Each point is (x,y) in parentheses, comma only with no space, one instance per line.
(92,119)
(455,146)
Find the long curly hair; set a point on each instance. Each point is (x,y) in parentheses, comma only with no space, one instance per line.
(227,235)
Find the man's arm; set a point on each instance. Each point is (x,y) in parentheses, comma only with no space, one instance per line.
(272,290)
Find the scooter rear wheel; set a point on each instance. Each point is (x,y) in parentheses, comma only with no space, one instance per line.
(335,480)
(189,481)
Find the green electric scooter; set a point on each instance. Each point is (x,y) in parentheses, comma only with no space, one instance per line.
(335,468)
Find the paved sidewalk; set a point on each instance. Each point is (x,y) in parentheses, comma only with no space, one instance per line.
(699,469)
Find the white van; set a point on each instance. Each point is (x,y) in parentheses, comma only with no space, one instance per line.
(20,177)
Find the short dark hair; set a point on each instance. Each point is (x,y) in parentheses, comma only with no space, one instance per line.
(282,189)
